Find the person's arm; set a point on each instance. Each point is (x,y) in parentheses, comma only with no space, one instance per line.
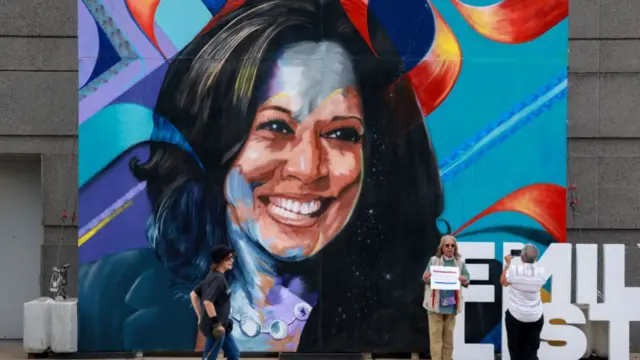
(503,277)
(210,309)
(195,301)
(465,277)
(427,273)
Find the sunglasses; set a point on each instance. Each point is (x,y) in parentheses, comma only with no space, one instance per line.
(449,246)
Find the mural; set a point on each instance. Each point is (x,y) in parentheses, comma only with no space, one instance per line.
(329,142)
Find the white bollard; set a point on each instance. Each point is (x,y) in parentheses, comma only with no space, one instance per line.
(64,326)
(37,325)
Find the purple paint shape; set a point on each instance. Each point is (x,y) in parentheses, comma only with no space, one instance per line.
(165,44)
(126,231)
(149,59)
(113,88)
(145,92)
(296,286)
(109,186)
(274,297)
(284,311)
(88,44)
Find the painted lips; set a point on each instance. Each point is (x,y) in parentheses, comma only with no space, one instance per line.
(294,211)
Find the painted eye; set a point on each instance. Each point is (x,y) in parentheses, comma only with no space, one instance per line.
(344,134)
(276,126)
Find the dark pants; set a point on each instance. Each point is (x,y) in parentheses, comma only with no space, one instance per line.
(523,338)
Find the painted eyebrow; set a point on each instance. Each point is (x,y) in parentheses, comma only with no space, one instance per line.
(276,108)
(290,113)
(338,118)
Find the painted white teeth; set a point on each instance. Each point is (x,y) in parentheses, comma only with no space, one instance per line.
(294,206)
(304,209)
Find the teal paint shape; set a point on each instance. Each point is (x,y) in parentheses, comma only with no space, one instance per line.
(182,20)
(109,133)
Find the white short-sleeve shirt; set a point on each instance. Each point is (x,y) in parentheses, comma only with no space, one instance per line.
(526,282)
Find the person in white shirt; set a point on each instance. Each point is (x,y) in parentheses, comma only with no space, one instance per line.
(524,318)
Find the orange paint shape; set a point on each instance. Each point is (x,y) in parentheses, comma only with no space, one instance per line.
(514,21)
(545,203)
(144,13)
(434,77)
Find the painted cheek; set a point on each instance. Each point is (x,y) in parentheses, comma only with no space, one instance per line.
(238,193)
(258,159)
(345,165)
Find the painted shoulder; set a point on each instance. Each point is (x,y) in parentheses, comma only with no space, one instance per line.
(126,303)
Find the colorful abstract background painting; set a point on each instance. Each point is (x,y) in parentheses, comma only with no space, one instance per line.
(330,142)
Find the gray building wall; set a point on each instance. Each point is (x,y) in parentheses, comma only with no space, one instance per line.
(604,128)
(38,102)
(39,110)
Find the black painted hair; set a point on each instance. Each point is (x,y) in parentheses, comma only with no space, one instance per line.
(208,94)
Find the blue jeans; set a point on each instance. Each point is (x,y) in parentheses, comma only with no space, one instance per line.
(226,343)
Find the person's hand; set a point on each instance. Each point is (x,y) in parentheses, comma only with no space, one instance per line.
(507,259)
(463,280)
(427,276)
(218,331)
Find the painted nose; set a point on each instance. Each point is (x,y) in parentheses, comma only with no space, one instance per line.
(305,162)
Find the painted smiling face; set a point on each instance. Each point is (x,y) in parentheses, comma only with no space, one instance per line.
(296,181)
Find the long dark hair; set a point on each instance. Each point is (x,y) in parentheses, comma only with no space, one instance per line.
(208,95)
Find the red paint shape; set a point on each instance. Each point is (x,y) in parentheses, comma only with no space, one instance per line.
(545,203)
(228,7)
(514,21)
(144,13)
(357,12)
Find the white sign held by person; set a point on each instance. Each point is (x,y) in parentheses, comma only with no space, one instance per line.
(445,278)
(619,306)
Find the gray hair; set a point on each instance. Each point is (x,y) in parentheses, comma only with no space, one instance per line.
(529,253)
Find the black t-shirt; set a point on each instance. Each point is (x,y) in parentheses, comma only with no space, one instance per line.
(214,288)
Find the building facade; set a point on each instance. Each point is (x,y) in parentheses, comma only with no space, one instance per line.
(39,113)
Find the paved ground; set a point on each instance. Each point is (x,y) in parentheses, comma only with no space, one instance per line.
(12,350)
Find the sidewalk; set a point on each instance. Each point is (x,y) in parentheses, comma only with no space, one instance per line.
(12,350)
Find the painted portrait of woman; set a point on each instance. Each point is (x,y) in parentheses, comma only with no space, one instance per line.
(308,154)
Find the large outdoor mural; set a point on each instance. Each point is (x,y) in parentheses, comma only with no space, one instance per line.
(330,143)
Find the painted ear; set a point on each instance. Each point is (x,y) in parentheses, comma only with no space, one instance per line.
(165,132)
(447,226)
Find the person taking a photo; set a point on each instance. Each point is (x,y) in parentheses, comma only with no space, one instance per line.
(524,319)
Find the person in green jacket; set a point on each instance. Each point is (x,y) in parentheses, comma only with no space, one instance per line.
(444,305)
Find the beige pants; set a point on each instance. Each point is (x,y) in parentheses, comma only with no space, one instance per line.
(441,335)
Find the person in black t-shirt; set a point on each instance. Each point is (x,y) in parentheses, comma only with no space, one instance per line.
(213,315)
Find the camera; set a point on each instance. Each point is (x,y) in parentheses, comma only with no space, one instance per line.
(516,252)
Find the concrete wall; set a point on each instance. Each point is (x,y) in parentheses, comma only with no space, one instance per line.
(38,109)
(604,128)
(38,99)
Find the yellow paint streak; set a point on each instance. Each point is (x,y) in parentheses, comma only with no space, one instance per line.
(103,223)
(276,96)
(280,95)
(244,82)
